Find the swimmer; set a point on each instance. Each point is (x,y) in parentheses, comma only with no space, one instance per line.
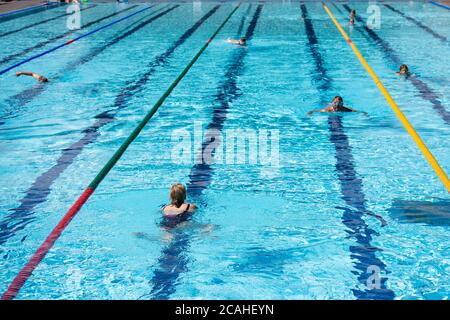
(35,75)
(404,70)
(242,41)
(175,215)
(352,17)
(177,206)
(337,105)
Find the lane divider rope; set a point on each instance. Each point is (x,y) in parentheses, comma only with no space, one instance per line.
(73,40)
(48,243)
(409,128)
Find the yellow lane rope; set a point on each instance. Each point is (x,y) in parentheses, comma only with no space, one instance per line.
(409,128)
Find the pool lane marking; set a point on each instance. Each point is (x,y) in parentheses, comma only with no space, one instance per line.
(37,257)
(417,23)
(43,6)
(440,5)
(409,128)
(44,21)
(172,262)
(73,40)
(227,93)
(40,188)
(25,96)
(424,90)
(364,253)
(135,86)
(243,19)
(336,7)
(43,43)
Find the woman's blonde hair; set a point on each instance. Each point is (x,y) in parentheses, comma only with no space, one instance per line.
(177,194)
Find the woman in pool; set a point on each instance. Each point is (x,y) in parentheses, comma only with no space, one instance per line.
(177,211)
(404,70)
(337,105)
(174,213)
(177,206)
(352,17)
(242,41)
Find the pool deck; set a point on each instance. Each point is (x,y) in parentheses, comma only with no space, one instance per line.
(17,5)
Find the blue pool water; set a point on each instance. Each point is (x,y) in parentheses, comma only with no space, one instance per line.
(309,228)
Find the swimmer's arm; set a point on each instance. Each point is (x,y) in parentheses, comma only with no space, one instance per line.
(347,109)
(32,74)
(327,109)
(26,73)
(232,41)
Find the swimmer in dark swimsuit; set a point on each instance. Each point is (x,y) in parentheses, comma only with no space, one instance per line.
(175,216)
(38,77)
(404,70)
(177,211)
(337,105)
(242,41)
(352,17)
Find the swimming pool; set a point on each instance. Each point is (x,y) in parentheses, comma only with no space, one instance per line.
(308,227)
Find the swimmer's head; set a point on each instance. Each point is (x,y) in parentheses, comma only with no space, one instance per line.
(42,79)
(177,194)
(404,68)
(337,102)
(242,40)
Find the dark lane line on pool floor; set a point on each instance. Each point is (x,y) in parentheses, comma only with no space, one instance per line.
(336,7)
(417,23)
(26,96)
(424,90)
(41,187)
(363,253)
(44,21)
(20,13)
(43,43)
(173,260)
